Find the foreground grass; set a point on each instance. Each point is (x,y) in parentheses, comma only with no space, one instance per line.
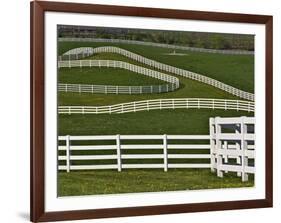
(133,181)
(178,121)
(235,70)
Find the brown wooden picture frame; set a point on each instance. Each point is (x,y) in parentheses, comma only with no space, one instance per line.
(37,199)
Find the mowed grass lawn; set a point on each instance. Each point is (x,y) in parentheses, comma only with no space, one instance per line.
(235,70)
(133,181)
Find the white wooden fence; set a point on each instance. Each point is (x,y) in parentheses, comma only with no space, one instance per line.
(115,89)
(163,151)
(173,82)
(160,66)
(159,104)
(238,145)
(220,151)
(163,45)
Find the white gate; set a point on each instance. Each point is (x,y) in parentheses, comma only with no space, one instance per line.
(232,143)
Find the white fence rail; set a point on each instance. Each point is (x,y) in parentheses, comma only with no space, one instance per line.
(164,151)
(173,82)
(163,45)
(161,66)
(159,104)
(238,145)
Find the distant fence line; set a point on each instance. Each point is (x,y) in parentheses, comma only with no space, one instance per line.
(87,51)
(161,104)
(162,45)
(115,89)
(173,82)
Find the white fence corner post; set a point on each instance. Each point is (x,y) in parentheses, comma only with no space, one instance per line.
(118,147)
(165,152)
(218,147)
(68,153)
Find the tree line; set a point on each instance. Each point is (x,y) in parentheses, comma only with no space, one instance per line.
(193,39)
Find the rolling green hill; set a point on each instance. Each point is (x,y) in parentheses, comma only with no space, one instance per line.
(235,70)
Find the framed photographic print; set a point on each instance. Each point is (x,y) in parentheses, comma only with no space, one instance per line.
(142,111)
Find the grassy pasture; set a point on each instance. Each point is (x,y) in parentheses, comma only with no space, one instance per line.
(235,70)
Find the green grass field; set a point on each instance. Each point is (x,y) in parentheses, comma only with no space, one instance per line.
(134,181)
(235,70)
(178,121)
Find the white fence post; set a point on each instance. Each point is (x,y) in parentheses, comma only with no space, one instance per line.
(68,153)
(237,145)
(212,144)
(165,152)
(118,148)
(225,145)
(244,158)
(134,106)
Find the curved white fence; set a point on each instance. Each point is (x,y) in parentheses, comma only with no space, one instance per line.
(173,82)
(160,66)
(163,45)
(160,104)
